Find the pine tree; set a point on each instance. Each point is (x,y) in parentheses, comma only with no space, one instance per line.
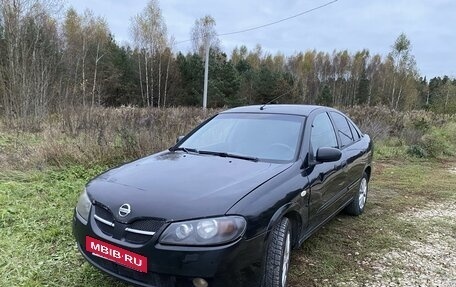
(325,98)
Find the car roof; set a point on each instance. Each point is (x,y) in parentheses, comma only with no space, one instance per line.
(301,110)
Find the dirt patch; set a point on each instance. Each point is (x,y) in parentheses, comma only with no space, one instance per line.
(381,166)
(432,212)
(429,261)
(452,170)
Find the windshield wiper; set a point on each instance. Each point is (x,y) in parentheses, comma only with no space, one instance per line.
(225,154)
(185,149)
(217,153)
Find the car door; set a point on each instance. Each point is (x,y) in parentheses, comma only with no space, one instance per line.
(327,180)
(348,138)
(352,150)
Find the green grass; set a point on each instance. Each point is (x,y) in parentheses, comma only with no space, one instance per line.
(37,247)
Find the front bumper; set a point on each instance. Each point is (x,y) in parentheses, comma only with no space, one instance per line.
(235,264)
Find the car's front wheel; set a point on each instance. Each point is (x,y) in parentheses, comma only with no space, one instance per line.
(356,207)
(278,255)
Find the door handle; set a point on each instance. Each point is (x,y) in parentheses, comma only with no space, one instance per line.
(344,164)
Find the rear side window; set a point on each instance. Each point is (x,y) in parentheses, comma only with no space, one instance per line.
(356,128)
(343,129)
(355,133)
(322,134)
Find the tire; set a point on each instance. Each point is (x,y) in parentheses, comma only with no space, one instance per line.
(278,255)
(356,207)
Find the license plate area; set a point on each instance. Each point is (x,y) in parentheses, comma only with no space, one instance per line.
(116,254)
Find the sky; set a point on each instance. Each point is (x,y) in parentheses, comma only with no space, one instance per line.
(346,24)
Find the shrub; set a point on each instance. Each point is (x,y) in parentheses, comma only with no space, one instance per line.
(103,136)
(441,141)
(417,151)
(381,122)
(108,136)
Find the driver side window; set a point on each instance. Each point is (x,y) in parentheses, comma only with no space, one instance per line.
(322,134)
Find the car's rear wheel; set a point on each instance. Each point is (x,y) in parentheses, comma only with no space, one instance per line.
(278,255)
(356,207)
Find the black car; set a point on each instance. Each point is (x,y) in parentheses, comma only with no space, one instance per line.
(225,205)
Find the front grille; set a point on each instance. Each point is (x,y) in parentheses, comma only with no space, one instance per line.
(136,238)
(104,213)
(139,231)
(106,217)
(151,224)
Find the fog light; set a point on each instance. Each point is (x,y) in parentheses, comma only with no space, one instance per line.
(200,282)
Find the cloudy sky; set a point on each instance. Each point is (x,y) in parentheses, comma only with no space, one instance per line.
(345,24)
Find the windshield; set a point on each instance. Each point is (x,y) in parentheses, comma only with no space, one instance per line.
(269,137)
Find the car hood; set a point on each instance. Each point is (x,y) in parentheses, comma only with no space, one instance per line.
(177,186)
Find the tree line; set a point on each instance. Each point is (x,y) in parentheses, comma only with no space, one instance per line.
(48,65)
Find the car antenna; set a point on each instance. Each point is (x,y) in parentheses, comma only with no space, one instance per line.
(276,98)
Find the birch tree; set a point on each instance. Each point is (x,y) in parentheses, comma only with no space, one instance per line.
(404,69)
(85,37)
(204,35)
(29,57)
(149,34)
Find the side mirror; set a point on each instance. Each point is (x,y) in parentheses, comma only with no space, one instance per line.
(328,154)
(179,138)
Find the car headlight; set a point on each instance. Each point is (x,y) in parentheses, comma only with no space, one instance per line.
(83,206)
(207,231)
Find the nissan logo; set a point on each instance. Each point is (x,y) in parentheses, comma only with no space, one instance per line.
(124,210)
